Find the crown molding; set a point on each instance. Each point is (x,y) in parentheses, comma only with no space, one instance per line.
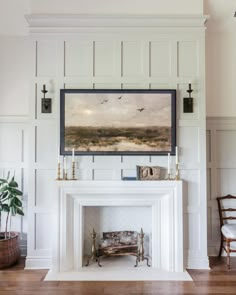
(53,22)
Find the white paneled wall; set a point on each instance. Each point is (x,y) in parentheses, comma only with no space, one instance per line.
(128,58)
(221,142)
(13,159)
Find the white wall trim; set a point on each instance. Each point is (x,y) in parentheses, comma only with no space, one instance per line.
(14,119)
(38,262)
(43,22)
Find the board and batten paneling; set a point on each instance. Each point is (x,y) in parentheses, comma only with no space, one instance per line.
(221,142)
(126,59)
(14,159)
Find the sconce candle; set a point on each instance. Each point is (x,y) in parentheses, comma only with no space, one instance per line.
(176,155)
(168,167)
(73,155)
(64,164)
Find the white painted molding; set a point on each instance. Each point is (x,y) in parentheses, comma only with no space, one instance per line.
(38,262)
(14,119)
(201,263)
(51,22)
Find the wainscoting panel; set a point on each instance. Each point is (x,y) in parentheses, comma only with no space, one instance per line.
(160,55)
(46,146)
(47,58)
(44,193)
(78,60)
(14,159)
(151,58)
(107,59)
(43,230)
(134,58)
(221,142)
(188,52)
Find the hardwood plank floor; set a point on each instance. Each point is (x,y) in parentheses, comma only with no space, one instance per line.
(218,280)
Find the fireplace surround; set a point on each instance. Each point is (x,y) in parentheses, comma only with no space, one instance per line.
(164,198)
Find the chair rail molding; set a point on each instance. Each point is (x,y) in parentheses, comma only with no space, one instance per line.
(42,23)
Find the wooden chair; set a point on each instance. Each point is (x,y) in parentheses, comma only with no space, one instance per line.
(228,230)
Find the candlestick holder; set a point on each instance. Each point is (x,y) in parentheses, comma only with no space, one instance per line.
(65,175)
(73,171)
(177,177)
(58,172)
(168,176)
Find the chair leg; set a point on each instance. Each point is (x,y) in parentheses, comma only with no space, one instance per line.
(228,253)
(221,246)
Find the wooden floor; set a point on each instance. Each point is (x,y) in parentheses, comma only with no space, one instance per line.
(218,280)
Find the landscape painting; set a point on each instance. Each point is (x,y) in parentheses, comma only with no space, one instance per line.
(118,121)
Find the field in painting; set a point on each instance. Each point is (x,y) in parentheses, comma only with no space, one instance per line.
(99,139)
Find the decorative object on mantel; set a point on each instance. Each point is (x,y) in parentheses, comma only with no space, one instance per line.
(11,204)
(188,101)
(46,103)
(111,122)
(65,170)
(93,256)
(148,172)
(177,177)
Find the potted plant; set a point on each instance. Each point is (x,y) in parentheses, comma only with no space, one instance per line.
(10,205)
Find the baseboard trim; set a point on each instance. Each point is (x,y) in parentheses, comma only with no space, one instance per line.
(38,262)
(198,263)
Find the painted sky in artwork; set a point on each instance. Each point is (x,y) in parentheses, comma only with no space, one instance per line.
(117,109)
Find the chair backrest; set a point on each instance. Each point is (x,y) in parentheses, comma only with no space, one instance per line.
(226,212)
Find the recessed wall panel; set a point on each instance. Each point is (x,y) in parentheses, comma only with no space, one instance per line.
(103,174)
(46,58)
(45,184)
(46,144)
(105,58)
(225,148)
(188,58)
(132,58)
(43,233)
(160,59)
(226,181)
(78,58)
(11,143)
(189,147)
(191,195)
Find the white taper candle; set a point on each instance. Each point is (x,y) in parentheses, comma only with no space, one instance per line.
(168,167)
(73,155)
(176,155)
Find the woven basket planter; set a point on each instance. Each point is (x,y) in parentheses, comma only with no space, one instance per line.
(9,250)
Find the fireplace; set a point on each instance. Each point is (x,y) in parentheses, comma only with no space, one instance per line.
(162,198)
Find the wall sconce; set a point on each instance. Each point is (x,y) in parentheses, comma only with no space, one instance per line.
(188,101)
(46,103)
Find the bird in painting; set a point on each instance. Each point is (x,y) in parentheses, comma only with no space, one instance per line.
(140,110)
(119,97)
(104,101)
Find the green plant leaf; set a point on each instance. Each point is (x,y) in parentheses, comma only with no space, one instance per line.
(17,202)
(19,211)
(4,187)
(5,208)
(13,183)
(15,191)
(3,196)
(3,180)
(13,210)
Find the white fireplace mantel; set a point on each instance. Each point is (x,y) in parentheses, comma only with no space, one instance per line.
(164,198)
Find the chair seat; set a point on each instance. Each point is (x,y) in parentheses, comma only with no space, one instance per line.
(229,231)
